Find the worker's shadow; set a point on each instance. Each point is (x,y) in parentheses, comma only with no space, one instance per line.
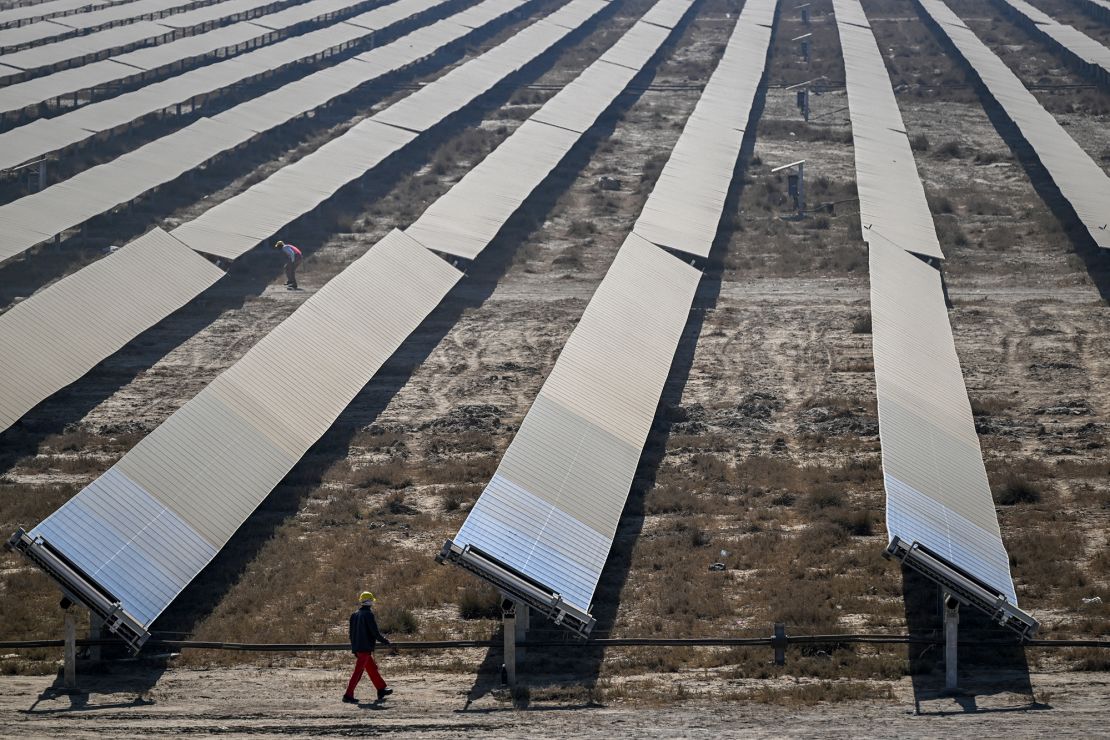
(250,275)
(991,658)
(581,665)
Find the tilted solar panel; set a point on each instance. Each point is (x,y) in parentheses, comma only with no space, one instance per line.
(139,533)
(542,529)
(59,334)
(940,514)
(1080,180)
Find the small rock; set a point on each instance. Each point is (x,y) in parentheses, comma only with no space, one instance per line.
(608,183)
(1093,600)
(716,567)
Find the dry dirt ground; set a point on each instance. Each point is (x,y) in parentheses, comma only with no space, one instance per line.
(764,455)
(263,702)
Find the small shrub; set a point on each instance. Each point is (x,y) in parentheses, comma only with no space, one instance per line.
(479,602)
(581,228)
(824,497)
(919,143)
(950,150)
(862,324)
(1017,490)
(397,620)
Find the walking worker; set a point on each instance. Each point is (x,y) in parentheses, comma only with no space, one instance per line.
(292,262)
(364,635)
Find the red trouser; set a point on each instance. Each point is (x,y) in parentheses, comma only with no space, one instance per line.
(366,663)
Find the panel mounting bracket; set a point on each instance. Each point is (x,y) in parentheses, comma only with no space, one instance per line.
(79,588)
(962,586)
(517,586)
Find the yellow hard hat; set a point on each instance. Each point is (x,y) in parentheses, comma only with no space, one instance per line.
(279,244)
(366,596)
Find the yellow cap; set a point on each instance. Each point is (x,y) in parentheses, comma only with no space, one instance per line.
(366,596)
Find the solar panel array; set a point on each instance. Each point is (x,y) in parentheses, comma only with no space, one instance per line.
(287,194)
(103,42)
(102,17)
(1091,54)
(146,527)
(47,135)
(551,510)
(64,205)
(152,60)
(936,483)
(240,223)
(1080,180)
(21,13)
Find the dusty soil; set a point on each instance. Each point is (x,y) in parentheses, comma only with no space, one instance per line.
(259,702)
(764,456)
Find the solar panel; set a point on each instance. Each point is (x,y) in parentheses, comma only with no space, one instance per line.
(51,211)
(206,79)
(143,530)
(940,514)
(676,215)
(62,332)
(552,508)
(542,529)
(1071,40)
(20,35)
(469,216)
(241,222)
(892,203)
(938,498)
(1080,180)
(245,431)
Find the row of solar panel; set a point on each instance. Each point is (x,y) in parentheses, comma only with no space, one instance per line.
(190,484)
(1078,177)
(106,16)
(219,43)
(92,297)
(936,483)
(551,510)
(40,216)
(1090,53)
(75,50)
(49,9)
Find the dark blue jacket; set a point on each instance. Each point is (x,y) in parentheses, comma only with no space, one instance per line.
(363,631)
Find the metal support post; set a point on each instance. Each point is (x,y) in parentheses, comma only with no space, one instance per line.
(96,632)
(802,189)
(951,635)
(508,623)
(69,672)
(42,174)
(779,643)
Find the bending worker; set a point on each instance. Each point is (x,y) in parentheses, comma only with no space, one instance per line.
(292,262)
(364,635)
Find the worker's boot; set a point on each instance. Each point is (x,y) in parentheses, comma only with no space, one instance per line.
(382,693)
